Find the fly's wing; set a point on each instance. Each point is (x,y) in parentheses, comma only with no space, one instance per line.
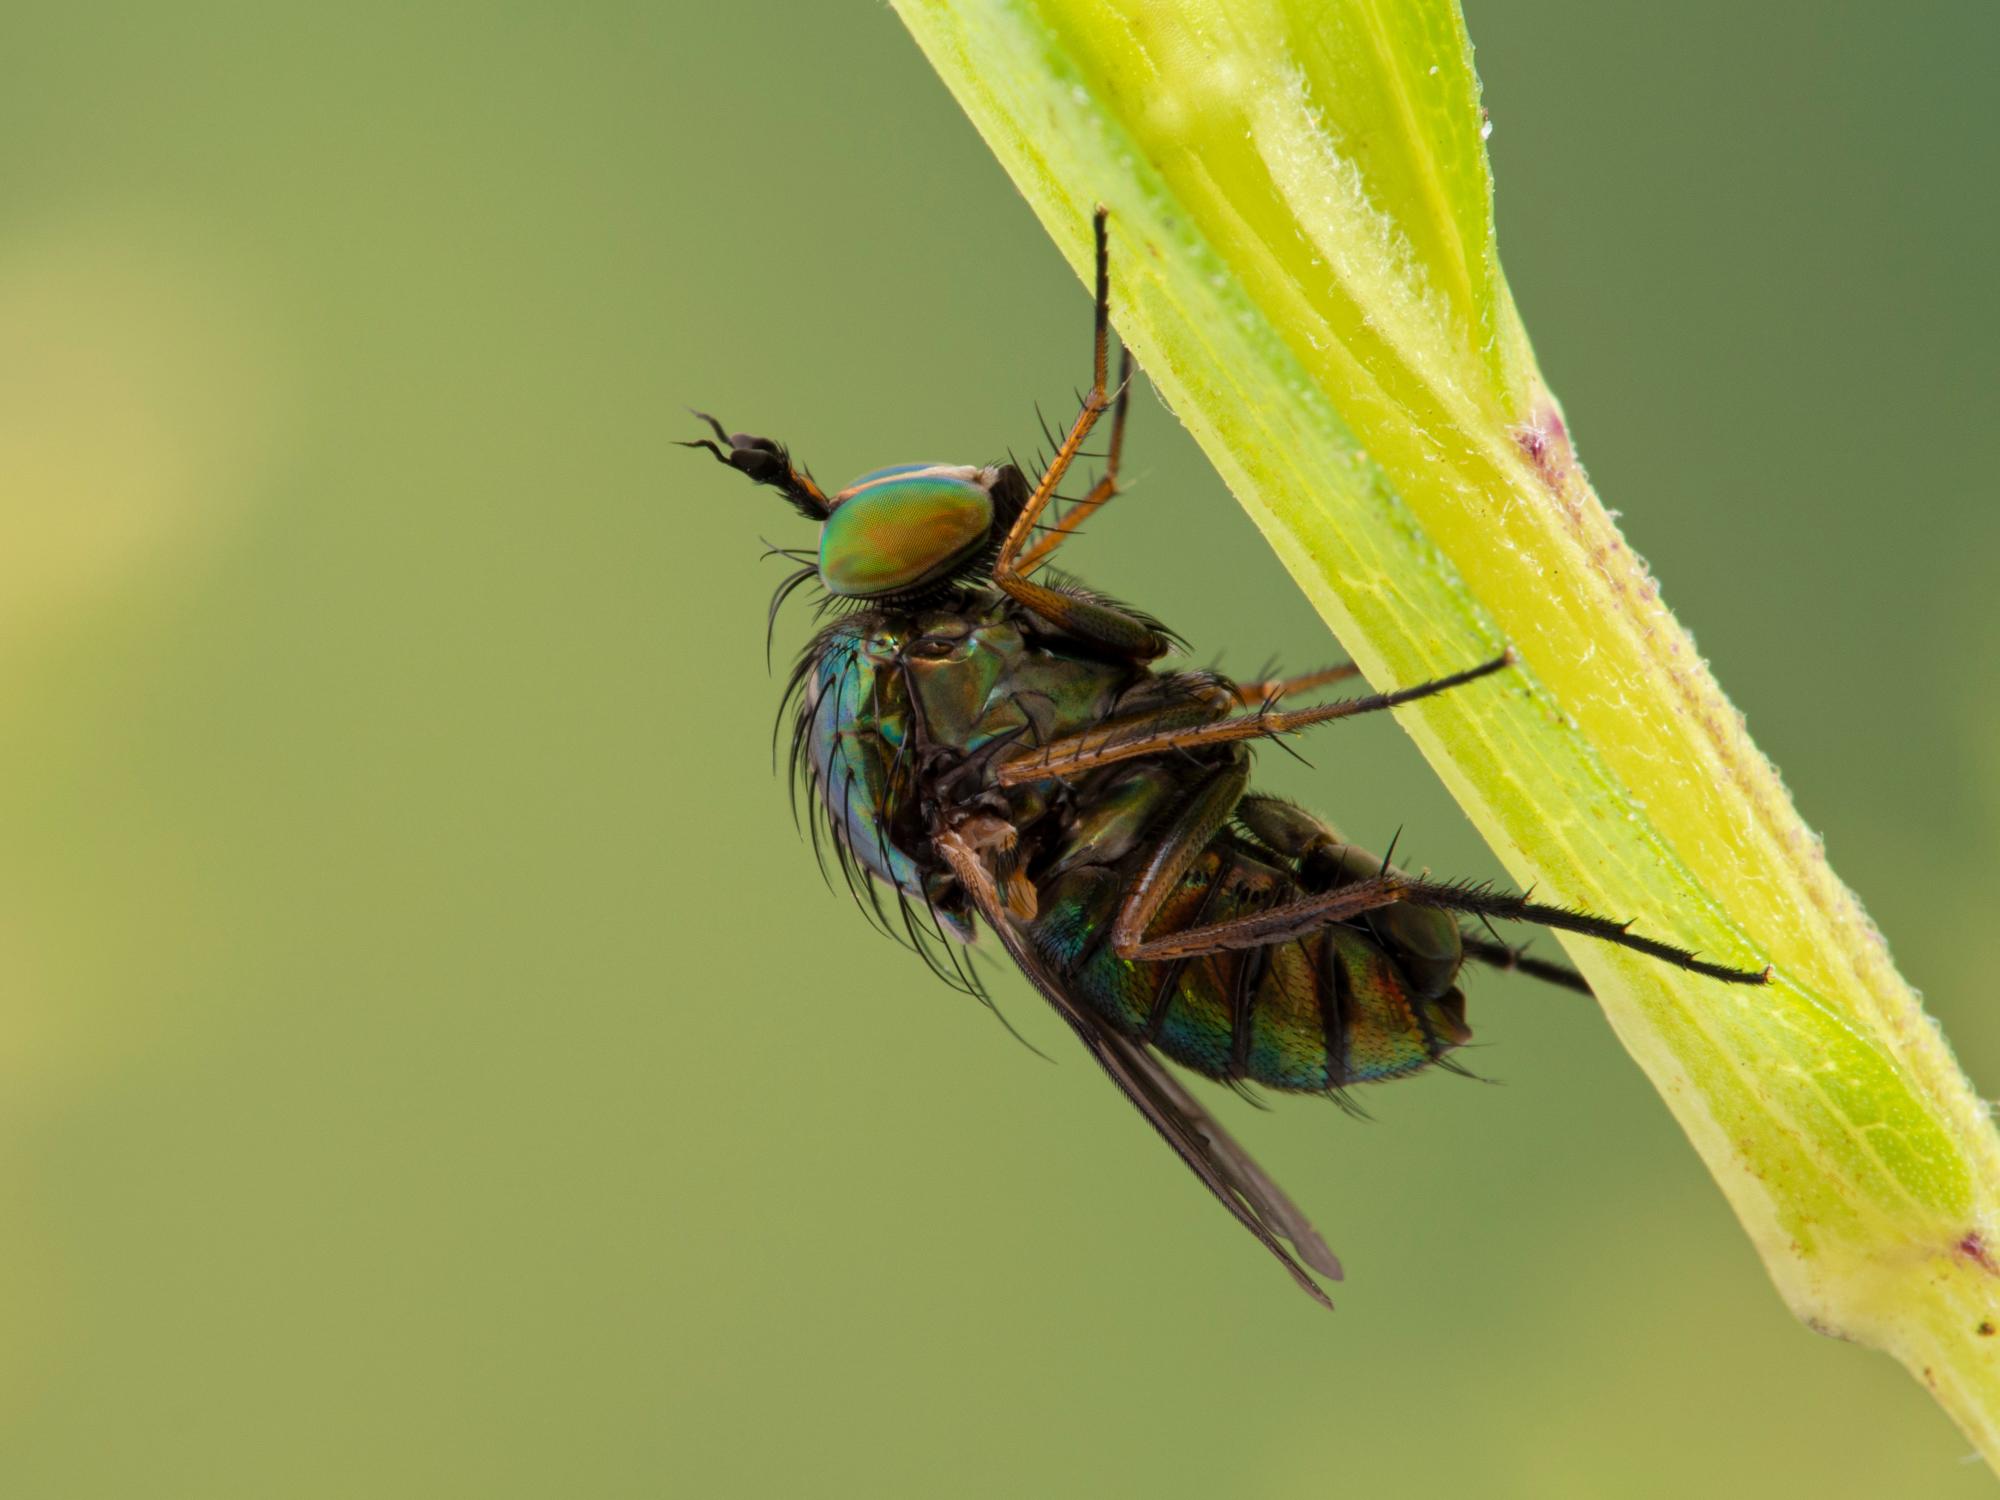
(1238,1168)
(1210,1152)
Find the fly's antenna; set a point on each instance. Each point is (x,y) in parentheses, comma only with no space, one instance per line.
(766,462)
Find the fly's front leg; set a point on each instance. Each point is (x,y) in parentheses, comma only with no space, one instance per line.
(1106,486)
(1087,618)
(1095,402)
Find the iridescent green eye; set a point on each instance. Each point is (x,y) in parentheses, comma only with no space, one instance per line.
(897,528)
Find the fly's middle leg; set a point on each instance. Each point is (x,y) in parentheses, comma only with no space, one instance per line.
(1080,753)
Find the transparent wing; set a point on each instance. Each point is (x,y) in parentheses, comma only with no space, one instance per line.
(1210,1152)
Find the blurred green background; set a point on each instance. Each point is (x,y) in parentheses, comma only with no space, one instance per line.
(432,1063)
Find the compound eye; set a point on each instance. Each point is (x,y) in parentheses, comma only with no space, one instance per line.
(900,528)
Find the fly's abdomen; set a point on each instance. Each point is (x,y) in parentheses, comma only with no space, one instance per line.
(1333,1008)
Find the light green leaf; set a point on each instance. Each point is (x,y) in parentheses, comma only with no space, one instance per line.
(1305,265)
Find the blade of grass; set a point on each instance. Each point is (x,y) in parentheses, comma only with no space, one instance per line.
(1306,267)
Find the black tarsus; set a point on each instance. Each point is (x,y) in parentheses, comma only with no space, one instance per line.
(1478,898)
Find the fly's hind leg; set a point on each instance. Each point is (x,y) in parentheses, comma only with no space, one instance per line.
(1279,924)
(1418,933)
(1426,943)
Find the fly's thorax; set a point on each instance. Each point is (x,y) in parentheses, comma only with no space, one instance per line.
(954,663)
(900,529)
(978,679)
(1060,693)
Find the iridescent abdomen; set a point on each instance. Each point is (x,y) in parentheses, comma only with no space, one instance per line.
(1320,1012)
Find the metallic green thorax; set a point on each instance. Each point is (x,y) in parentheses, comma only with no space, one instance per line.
(898,528)
(979,685)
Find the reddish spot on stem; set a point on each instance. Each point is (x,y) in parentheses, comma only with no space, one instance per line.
(1546,442)
(1973,1248)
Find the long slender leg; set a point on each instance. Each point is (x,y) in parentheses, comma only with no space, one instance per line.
(1106,486)
(1281,924)
(1509,907)
(1094,748)
(1095,402)
(1115,628)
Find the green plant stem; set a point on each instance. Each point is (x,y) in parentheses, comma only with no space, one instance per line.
(1305,265)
